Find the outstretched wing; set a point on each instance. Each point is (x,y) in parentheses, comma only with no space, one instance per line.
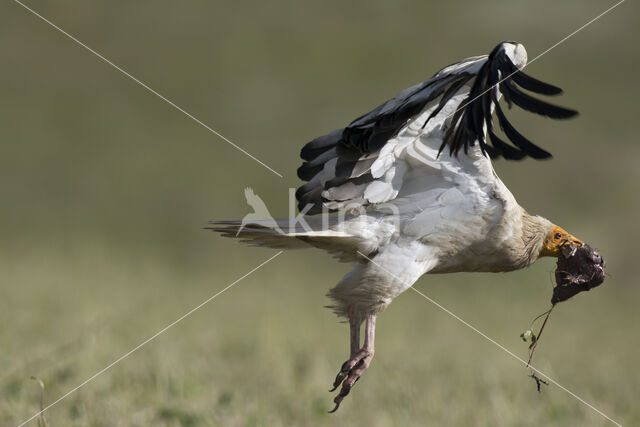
(360,165)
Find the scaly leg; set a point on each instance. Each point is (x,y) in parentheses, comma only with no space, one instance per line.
(354,328)
(359,361)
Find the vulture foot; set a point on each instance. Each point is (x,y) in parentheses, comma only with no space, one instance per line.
(350,372)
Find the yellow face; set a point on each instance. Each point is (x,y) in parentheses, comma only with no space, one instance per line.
(555,240)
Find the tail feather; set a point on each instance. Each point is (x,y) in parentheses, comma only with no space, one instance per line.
(277,234)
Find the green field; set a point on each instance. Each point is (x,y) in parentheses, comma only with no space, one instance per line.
(105,190)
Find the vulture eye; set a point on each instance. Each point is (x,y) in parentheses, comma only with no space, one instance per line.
(557,236)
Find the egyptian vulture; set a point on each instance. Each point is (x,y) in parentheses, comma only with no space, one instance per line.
(415,192)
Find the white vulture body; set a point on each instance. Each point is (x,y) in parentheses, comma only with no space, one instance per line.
(416,178)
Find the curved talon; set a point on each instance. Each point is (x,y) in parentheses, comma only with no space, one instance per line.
(345,370)
(346,388)
(341,376)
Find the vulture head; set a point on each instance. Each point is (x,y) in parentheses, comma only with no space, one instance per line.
(556,240)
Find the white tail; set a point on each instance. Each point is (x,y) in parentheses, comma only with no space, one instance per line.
(278,234)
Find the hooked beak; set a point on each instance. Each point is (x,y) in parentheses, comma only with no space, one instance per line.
(572,240)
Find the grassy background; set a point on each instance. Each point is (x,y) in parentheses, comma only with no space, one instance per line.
(105,187)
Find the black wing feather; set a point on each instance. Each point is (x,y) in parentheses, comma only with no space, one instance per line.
(355,147)
(534,85)
(499,73)
(370,132)
(534,105)
(518,139)
(321,144)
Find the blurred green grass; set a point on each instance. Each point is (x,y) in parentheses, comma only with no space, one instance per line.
(105,187)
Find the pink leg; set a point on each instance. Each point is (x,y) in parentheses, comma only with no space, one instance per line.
(359,361)
(354,327)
